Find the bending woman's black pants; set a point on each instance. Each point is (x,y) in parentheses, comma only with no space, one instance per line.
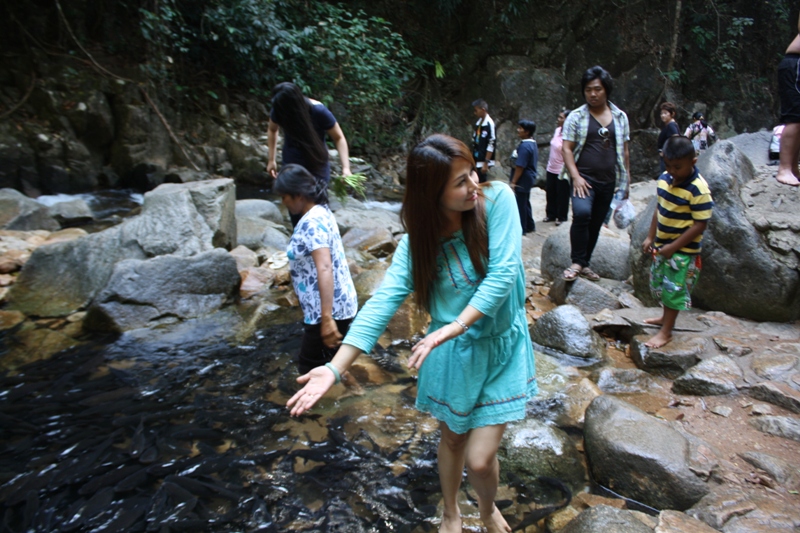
(588,215)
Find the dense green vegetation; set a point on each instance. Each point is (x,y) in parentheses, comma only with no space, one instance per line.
(397,70)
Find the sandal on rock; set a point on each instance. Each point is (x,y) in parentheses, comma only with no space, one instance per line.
(571,274)
(588,273)
(547,219)
(558,222)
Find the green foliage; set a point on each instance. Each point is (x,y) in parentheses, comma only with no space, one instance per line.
(719,35)
(352,59)
(340,186)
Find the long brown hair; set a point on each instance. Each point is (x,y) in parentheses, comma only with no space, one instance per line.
(427,172)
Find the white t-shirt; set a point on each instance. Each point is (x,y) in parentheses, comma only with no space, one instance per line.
(318,229)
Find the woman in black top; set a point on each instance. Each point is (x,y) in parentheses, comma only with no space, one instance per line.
(670,128)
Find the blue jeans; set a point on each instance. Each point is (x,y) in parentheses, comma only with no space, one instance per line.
(588,215)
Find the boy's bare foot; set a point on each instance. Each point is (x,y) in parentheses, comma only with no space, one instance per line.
(655,321)
(786,177)
(450,524)
(495,523)
(658,340)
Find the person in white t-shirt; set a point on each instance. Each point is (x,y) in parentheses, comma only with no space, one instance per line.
(318,266)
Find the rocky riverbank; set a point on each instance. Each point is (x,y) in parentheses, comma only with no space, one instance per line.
(700,435)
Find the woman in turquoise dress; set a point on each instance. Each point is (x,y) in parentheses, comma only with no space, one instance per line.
(461,258)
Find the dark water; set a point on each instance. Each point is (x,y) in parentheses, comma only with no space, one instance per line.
(138,436)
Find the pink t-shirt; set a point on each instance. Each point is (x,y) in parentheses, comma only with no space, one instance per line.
(556,161)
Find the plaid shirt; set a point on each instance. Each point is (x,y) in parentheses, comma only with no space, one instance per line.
(576,127)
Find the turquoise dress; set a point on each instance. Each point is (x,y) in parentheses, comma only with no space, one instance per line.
(485,376)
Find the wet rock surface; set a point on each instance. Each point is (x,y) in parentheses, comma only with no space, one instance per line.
(566,329)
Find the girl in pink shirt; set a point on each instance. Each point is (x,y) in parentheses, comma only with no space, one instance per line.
(557,190)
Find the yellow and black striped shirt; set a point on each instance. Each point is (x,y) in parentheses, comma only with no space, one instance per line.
(679,207)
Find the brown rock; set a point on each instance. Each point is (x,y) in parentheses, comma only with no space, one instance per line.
(34,345)
(64,235)
(584,500)
(10,319)
(558,521)
(245,257)
(677,522)
(6,280)
(288,299)
(255,280)
(13,260)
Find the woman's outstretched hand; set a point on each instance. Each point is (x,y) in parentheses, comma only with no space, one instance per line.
(421,350)
(317,383)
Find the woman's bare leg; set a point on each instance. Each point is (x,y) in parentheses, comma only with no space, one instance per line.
(483,470)
(451,455)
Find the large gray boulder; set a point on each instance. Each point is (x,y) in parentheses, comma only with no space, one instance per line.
(163,290)
(531,449)
(609,259)
(639,456)
(256,232)
(254,208)
(751,247)
(178,219)
(566,330)
(352,217)
(18,212)
(606,519)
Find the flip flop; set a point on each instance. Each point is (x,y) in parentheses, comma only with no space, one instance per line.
(588,273)
(571,274)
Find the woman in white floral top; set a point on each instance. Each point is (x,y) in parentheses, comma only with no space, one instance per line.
(318,267)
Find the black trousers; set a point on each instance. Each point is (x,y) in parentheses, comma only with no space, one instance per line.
(588,215)
(558,192)
(313,352)
(523,196)
(482,174)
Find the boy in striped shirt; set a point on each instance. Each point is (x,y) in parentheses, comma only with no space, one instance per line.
(676,234)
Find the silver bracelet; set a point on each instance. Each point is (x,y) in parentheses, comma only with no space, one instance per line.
(462,324)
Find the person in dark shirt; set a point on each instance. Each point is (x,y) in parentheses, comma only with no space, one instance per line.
(483,140)
(304,123)
(669,129)
(597,160)
(523,175)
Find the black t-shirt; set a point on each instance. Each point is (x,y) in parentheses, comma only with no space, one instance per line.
(598,158)
(666,132)
(322,120)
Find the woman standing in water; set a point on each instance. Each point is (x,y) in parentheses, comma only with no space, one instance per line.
(305,123)
(462,260)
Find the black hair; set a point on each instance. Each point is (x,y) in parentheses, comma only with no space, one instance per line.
(678,147)
(480,102)
(528,125)
(291,111)
(295,180)
(565,111)
(598,72)
(697,115)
